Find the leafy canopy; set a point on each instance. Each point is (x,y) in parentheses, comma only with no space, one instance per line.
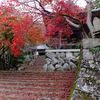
(17,28)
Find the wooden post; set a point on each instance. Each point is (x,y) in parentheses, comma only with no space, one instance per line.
(59,42)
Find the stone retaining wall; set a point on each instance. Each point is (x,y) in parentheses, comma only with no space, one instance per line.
(88,82)
(61,60)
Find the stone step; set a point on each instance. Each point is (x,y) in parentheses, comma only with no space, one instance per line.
(36,72)
(32,96)
(35,85)
(45,74)
(35,80)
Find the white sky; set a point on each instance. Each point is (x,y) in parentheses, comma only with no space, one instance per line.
(81,3)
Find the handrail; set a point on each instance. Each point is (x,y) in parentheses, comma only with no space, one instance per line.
(64,50)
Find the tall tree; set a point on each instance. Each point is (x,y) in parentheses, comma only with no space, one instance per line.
(89,18)
(58,15)
(16,28)
(66,10)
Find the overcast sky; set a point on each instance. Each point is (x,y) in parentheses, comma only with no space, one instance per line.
(80,3)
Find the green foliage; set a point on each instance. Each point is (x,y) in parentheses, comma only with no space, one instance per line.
(96,4)
(16,61)
(7,36)
(8,61)
(99,83)
(95,49)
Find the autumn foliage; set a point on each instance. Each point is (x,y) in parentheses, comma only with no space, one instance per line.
(55,22)
(24,29)
(17,28)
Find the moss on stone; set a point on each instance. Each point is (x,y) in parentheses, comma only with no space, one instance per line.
(94,49)
(90,80)
(98,83)
(77,75)
(85,96)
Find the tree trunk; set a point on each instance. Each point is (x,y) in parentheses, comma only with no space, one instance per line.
(89,18)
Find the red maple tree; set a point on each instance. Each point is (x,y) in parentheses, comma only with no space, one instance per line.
(58,15)
(17,28)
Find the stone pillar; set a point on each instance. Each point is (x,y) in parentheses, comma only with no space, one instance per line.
(88,82)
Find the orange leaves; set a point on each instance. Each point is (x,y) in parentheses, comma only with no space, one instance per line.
(35,34)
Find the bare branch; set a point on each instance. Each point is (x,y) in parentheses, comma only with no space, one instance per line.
(76,19)
(73,24)
(35,7)
(25,3)
(42,7)
(37,19)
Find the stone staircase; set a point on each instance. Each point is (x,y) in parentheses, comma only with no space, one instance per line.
(39,62)
(33,85)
